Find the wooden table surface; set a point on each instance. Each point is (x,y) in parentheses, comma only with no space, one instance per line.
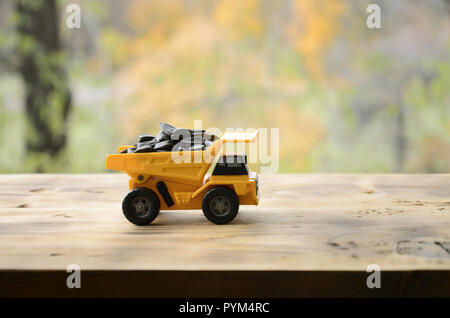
(310,230)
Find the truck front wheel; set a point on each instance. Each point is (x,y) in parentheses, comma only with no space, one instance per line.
(141,206)
(220,205)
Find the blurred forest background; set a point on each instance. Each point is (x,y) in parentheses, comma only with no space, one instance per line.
(346,98)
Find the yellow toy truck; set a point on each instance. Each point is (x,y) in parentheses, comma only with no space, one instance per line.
(217,186)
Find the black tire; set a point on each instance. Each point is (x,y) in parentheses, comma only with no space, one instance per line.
(220,205)
(141,206)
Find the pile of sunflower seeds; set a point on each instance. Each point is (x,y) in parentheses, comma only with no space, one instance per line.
(171,138)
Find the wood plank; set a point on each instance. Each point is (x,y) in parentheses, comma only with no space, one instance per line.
(305,223)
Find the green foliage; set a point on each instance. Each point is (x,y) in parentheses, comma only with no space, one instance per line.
(337,91)
(12,122)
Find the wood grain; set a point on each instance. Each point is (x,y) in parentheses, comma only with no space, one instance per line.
(303,223)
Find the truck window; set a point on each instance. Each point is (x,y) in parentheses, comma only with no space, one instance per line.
(231,165)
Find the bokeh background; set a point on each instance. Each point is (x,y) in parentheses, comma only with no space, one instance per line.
(345,98)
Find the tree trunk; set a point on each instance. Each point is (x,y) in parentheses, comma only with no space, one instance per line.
(400,139)
(48,98)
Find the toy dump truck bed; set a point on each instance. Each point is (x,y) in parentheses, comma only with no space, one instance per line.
(160,164)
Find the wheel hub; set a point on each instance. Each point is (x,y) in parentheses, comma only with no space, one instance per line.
(141,206)
(220,205)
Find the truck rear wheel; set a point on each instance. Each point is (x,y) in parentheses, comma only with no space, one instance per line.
(220,205)
(141,206)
